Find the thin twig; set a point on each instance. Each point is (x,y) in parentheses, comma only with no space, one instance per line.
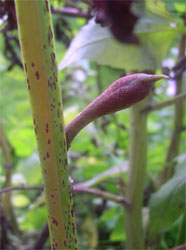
(180,97)
(69,11)
(20,188)
(180,247)
(76,189)
(103,194)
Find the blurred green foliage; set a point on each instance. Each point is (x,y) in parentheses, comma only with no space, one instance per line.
(103,144)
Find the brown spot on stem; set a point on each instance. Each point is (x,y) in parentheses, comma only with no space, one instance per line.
(61,128)
(53,57)
(72,213)
(28,85)
(54,221)
(65,244)
(46,3)
(25,68)
(35,131)
(47,154)
(49,141)
(58,113)
(37,75)
(63,182)
(32,64)
(66,162)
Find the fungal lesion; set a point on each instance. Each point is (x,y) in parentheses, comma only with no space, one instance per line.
(46,128)
(28,83)
(25,68)
(37,75)
(47,155)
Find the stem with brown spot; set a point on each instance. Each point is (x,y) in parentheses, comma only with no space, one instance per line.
(37,46)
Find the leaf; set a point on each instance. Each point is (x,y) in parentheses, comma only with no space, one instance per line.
(33,219)
(20,200)
(30,168)
(114,171)
(90,231)
(96,43)
(110,217)
(168,203)
(118,234)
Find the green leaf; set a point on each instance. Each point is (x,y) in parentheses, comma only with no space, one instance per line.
(118,234)
(31,169)
(112,172)
(34,219)
(168,203)
(20,200)
(110,217)
(96,43)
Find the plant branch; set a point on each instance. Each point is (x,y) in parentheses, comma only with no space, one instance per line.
(6,199)
(177,98)
(105,195)
(40,65)
(179,111)
(180,247)
(20,188)
(69,11)
(136,176)
(75,189)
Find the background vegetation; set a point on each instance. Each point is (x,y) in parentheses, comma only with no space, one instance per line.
(98,157)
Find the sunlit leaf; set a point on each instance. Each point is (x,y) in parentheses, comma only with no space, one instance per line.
(168,203)
(96,43)
(118,234)
(20,200)
(112,172)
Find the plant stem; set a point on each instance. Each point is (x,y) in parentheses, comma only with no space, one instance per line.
(78,188)
(135,183)
(181,237)
(6,199)
(37,45)
(179,111)
(177,98)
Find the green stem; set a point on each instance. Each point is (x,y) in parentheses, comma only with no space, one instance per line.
(179,112)
(135,185)
(181,237)
(6,199)
(172,101)
(37,45)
